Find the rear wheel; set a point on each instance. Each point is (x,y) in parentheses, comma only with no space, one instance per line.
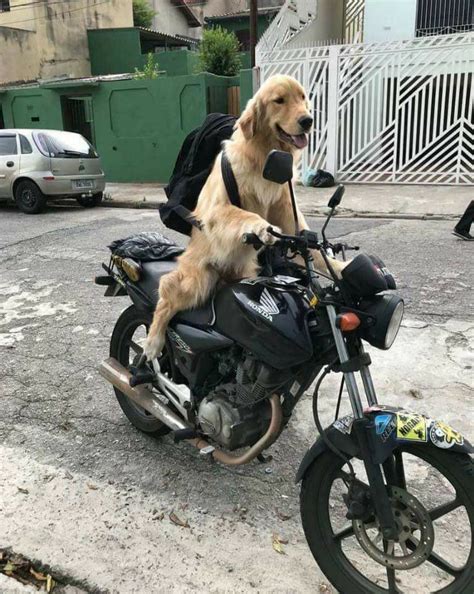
(90,201)
(433,505)
(29,198)
(126,345)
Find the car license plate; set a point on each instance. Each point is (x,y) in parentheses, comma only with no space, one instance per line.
(83,184)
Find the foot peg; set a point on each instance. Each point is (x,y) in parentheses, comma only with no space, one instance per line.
(207,450)
(141,376)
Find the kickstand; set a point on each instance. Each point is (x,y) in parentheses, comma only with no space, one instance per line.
(264,459)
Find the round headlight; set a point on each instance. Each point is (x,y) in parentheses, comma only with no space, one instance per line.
(394,324)
(385,313)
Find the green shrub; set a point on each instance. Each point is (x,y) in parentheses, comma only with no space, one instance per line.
(149,72)
(219,52)
(143,13)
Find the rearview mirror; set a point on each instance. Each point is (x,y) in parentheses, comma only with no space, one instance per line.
(278,167)
(336,198)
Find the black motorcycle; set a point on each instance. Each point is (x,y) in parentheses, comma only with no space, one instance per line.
(380,486)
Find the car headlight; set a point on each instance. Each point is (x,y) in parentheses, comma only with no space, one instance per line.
(385,313)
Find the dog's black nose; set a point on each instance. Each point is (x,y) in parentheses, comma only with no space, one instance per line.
(305,122)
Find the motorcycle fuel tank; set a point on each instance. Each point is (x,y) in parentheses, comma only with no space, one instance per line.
(267,316)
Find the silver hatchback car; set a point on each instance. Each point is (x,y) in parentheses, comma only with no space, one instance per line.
(39,164)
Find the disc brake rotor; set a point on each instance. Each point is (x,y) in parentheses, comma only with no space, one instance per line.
(415,539)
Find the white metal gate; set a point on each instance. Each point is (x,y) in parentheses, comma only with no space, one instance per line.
(399,112)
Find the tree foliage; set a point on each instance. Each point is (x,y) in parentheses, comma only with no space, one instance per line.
(143,13)
(150,70)
(219,52)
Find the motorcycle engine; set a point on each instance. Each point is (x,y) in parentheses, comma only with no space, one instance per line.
(237,414)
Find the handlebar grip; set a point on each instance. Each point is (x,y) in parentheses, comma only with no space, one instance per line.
(251,239)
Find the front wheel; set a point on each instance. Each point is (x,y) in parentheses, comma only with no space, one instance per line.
(433,506)
(126,345)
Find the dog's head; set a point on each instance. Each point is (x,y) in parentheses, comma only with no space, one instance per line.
(278,112)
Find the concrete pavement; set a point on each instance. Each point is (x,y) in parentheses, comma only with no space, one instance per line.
(360,200)
(86,495)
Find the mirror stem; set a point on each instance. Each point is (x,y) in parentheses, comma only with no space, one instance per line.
(323,230)
(293,204)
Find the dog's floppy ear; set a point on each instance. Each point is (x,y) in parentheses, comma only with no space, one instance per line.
(248,120)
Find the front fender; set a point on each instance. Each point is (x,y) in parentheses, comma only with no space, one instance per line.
(388,428)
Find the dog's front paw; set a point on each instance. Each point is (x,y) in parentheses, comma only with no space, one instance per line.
(261,230)
(153,347)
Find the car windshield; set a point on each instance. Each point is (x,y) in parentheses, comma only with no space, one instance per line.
(64,145)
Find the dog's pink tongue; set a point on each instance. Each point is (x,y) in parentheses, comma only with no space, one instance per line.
(300,141)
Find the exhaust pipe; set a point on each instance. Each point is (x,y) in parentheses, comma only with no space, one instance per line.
(119,376)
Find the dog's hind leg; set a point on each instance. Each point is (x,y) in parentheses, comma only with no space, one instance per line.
(184,288)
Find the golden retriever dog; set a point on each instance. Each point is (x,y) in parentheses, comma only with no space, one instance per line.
(277,117)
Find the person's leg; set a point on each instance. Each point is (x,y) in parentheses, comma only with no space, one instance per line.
(465,222)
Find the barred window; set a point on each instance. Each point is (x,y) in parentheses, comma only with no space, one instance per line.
(437,17)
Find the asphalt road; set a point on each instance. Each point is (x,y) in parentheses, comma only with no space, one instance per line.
(57,413)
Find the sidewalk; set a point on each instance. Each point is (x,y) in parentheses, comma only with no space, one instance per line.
(360,200)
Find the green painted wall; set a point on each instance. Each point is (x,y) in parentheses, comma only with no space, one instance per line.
(114,51)
(139,125)
(178,62)
(31,108)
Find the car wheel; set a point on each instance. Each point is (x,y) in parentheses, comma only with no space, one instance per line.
(90,201)
(29,198)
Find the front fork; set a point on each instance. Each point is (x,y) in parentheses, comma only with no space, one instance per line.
(377,486)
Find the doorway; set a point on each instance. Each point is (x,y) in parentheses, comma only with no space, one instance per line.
(78,116)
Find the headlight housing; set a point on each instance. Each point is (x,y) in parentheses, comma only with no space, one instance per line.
(385,314)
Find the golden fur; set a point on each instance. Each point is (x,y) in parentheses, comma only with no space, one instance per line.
(217,251)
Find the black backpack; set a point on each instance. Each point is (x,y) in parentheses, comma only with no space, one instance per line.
(193,166)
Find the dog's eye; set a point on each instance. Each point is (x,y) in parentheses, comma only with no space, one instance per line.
(303,97)
(279,100)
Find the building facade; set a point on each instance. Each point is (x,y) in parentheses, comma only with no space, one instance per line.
(390,82)
(44,40)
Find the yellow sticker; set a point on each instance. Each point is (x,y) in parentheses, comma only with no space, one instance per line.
(314,301)
(411,426)
(443,436)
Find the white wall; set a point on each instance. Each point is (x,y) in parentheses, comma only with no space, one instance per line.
(327,25)
(389,20)
(169,19)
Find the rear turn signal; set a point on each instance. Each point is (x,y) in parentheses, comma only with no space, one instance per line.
(347,322)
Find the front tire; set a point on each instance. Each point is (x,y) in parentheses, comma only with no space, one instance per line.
(125,348)
(29,198)
(333,548)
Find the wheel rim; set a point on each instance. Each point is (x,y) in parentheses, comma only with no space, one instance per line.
(28,198)
(446,566)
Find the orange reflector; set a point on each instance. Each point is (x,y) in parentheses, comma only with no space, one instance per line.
(49,177)
(348,321)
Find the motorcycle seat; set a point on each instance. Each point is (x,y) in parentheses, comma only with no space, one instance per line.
(151,275)
(149,283)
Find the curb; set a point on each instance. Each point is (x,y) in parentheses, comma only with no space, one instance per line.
(343,214)
(130,204)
